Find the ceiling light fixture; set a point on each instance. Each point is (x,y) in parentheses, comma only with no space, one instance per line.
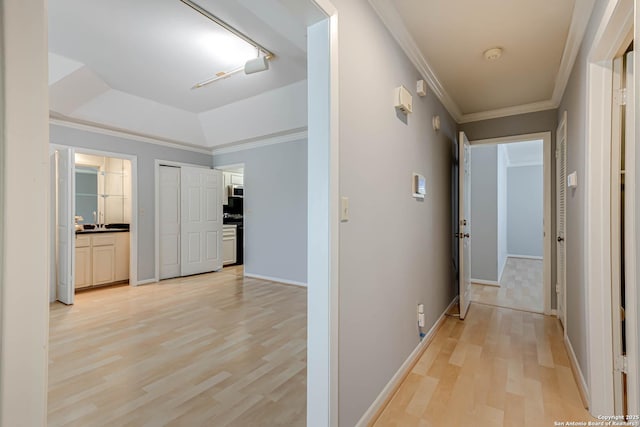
(493,53)
(254,65)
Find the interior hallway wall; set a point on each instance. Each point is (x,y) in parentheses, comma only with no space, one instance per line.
(502,210)
(574,102)
(147,153)
(525,216)
(394,250)
(275,209)
(484,212)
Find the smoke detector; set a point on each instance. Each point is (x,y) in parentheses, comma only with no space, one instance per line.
(493,53)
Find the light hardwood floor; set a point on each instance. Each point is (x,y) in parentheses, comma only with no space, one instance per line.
(208,350)
(498,367)
(520,287)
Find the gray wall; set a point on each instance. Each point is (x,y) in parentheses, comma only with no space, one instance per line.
(275,206)
(394,250)
(502,210)
(484,212)
(525,210)
(147,154)
(574,102)
(542,121)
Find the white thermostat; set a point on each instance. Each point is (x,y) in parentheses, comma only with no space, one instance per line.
(403,99)
(419,186)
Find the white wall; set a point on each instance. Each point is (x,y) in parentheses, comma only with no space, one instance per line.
(525,202)
(502,210)
(271,113)
(484,212)
(24,175)
(394,250)
(275,209)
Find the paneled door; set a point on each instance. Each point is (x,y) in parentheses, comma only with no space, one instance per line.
(464,222)
(65,229)
(169,221)
(201,220)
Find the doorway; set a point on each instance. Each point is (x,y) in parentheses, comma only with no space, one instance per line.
(511,222)
(94,233)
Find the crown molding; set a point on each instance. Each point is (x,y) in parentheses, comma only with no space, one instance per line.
(93,127)
(297,135)
(509,111)
(577,29)
(394,23)
(579,22)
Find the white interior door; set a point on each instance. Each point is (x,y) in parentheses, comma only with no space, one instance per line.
(631,252)
(65,225)
(464,168)
(561,196)
(201,220)
(169,222)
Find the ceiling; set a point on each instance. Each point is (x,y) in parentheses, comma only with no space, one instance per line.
(447,39)
(112,60)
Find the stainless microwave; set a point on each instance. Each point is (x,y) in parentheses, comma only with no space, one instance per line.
(236,191)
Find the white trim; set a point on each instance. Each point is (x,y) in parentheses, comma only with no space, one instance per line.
(612,32)
(400,374)
(261,142)
(525,256)
(147,281)
(121,133)
(524,164)
(275,279)
(554,313)
(580,381)
(395,24)
(533,107)
(485,282)
(547,241)
(323,220)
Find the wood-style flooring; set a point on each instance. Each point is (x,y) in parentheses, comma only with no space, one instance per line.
(497,368)
(520,287)
(208,350)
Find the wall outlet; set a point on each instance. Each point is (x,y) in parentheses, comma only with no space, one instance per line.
(344,209)
(421,315)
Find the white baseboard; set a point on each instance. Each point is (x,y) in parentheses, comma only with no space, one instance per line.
(553,312)
(397,378)
(525,256)
(146,282)
(577,373)
(485,282)
(275,279)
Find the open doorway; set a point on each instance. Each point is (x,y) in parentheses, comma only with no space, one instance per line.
(510,215)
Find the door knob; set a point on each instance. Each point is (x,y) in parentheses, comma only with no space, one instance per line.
(560,239)
(466,235)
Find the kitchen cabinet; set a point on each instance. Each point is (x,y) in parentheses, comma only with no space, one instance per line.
(229,241)
(101,258)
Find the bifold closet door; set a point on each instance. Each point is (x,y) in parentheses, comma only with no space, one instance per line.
(201,220)
(65,173)
(169,222)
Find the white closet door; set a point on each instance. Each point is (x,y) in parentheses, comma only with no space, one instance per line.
(464,185)
(65,225)
(201,220)
(169,222)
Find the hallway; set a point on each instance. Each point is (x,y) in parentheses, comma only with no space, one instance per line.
(499,367)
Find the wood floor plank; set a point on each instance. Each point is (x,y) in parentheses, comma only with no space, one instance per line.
(515,375)
(213,349)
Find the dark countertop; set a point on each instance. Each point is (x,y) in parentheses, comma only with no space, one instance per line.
(105,230)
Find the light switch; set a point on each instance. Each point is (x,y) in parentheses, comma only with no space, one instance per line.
(344,209)
(572,180)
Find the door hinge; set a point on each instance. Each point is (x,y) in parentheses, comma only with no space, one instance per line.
(620,97)
(621,364)
(557,288)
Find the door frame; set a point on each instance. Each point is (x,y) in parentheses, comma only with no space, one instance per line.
(562,315)
(617,22)
(547,217)
(156,213)
(133,227)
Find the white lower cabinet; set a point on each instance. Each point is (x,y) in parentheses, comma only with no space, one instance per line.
(101,258)
(229,241)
